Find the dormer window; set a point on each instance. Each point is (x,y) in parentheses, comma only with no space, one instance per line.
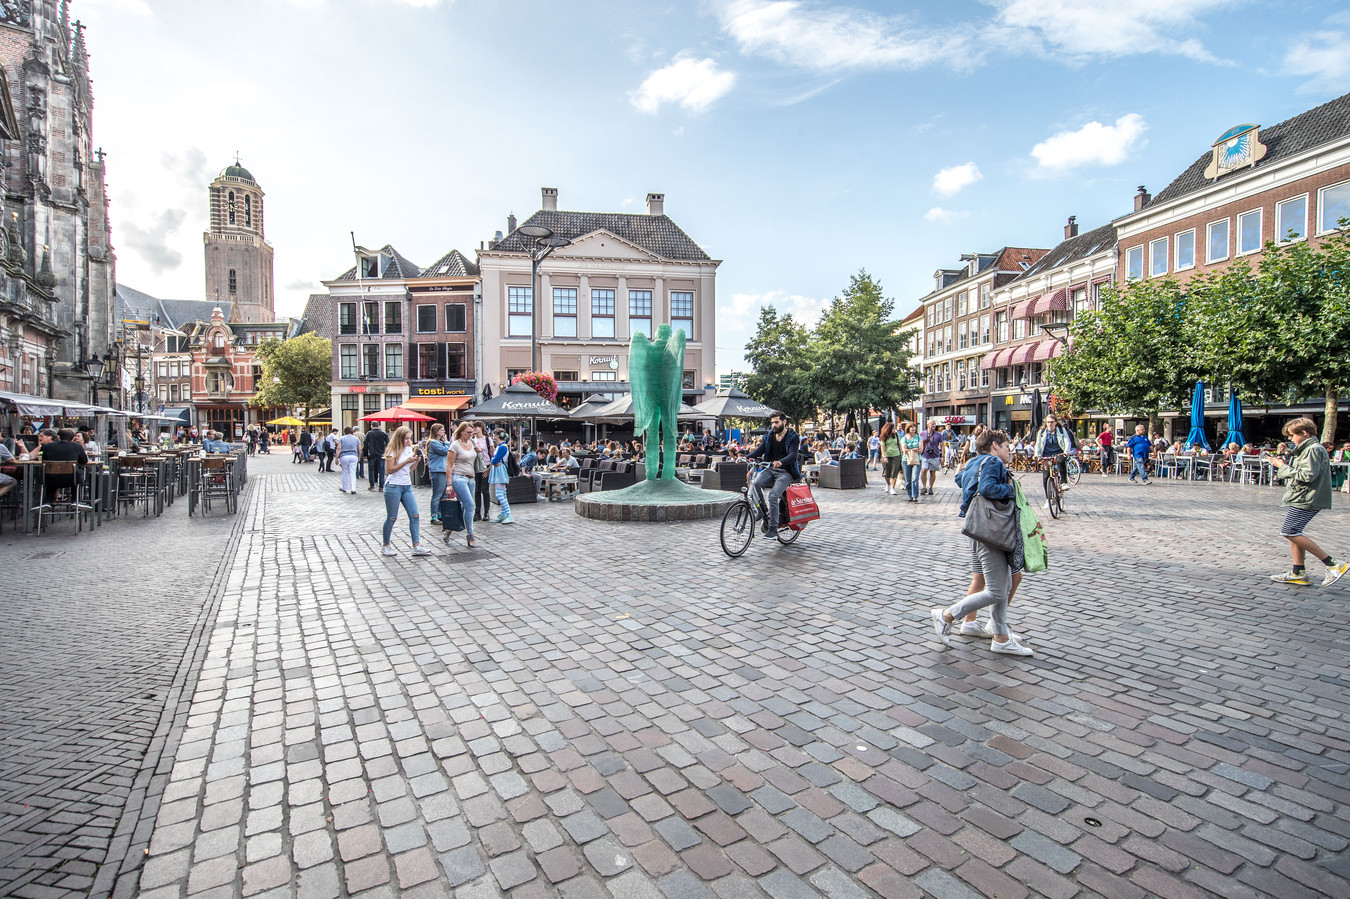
(220,340)
(372,266)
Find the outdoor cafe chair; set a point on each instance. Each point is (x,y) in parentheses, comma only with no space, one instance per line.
(136,483)
(218,481)
(64,494)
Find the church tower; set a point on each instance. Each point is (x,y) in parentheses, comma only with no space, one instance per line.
(238,256)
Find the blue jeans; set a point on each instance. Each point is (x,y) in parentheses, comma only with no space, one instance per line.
(394,494)
(463,488)
(1138,469)
(780,480)
(911,479)
(437,493)
(375,468)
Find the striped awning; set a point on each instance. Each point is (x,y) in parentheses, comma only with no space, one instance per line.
(990,359)
(1023,309)
(1022,355)
(1047,349)
(1055,301)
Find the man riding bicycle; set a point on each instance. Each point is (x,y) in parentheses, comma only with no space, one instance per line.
(779,449)
(1054,442)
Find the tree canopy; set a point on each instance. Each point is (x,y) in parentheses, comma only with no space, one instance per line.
(780,367)
(296,373)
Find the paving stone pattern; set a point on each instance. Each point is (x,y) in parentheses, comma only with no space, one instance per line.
(99,643)
(585,708)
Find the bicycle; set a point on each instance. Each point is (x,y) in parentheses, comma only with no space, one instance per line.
(1054,487)
(1074,469)
(745,518)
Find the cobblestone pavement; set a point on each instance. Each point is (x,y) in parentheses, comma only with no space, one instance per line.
(583,708)
(100,640)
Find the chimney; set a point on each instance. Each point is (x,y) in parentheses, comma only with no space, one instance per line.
(510,223)
(1141,199)
(550,199)
(497,236)
(656,204)
(1071,229)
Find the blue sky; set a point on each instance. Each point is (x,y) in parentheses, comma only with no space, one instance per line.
(796,141)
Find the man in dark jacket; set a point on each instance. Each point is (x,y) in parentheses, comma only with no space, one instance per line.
(306,441)
(377,441)
(779,449)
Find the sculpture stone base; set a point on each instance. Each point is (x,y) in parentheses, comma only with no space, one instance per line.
(659,500)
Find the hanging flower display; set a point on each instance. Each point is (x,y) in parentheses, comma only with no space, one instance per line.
(1060,406)
(540,382)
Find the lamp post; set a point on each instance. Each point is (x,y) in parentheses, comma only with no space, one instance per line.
(1058,330)
(545,243)
(95,368)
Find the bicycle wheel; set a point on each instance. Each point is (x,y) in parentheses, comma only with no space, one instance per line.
(738,529)
(787,536)
(1074,470)
(1054,498)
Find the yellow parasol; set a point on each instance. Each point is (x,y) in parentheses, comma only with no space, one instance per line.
(287,421)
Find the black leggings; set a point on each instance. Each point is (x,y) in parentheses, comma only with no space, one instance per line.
(482,495)
(1061,464)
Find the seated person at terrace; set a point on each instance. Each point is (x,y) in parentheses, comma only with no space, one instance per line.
(60,446)
(823,456)
(212,443)
(565,461)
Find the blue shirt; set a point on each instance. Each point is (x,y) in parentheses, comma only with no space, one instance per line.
(437,451)
(992,480)
(1139,446)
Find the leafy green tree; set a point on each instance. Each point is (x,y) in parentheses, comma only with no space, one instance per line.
(1132,355)
(779,355)
(295,373)
(860,355)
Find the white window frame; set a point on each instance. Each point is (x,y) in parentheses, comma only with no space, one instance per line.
(1280,230)
(1130,252)
(1227,223)
(1176,249)
(1259,212)
(1154,257)
(523,314)
(1321,205)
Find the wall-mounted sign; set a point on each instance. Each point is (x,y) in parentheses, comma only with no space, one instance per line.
(439,391)
(611,361)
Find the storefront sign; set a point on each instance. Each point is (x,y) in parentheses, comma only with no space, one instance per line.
(439,391)
(358,388)
(957,419)
(603,360)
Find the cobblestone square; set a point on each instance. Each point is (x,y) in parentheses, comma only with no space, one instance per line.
(581,708)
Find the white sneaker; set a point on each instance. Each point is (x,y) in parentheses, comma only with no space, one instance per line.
(389,550)
(420,550)
(1012,648)
(942,627)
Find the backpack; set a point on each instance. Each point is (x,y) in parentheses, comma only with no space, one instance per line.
(512,466)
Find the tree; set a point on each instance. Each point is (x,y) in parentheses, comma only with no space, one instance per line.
(779,356)
(296,373)
(860,356)
(1132,355)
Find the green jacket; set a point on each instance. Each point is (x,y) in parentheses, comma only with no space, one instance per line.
(1308,477)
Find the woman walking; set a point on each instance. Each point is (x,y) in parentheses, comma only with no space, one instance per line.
(399,460)
(909,444)
(349,449)
(890,456)
(987,474)
(482,491)
(499,477)
(462,455)
(437,451)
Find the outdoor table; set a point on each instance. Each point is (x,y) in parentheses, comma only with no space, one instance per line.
(31,470)
(192,470)
(556,483)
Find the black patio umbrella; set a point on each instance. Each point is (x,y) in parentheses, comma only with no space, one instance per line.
(850,423)
(516,401)
(588,407)
(1037,412)
(733,403)
(487,391)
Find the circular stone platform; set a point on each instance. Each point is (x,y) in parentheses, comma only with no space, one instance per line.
(659,500)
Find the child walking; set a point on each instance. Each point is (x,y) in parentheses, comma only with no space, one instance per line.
(1307,477)
(499,478)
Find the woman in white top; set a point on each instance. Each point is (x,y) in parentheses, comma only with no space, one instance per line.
(399,460)
(461,457)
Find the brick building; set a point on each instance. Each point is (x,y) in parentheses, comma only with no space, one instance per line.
(442,361)
(239,265)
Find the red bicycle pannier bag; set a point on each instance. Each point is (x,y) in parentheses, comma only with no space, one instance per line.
(801,506)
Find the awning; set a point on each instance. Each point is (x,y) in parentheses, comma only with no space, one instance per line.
(183,413)
(437,403)
(1024,308)
(1022,355)
(1047,349)
(990,359)
(25,404)
(1056,301)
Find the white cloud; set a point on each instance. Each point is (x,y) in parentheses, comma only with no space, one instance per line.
(1084,28)
(1093,144)
(939,216)
(743,310)
(693,83)
(952,179)
(1323,57)
(829,39)
(154,244)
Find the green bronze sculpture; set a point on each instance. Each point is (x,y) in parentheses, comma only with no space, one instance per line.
(656,370)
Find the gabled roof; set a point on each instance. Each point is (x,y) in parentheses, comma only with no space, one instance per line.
(452,265)
(317,317)
(1317,126)
(399,268)
(135,304)
(1007,259)
(656,234)
(178,313)
(1071,250)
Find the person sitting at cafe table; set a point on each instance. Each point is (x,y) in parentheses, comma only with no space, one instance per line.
(565,461)
(6,456)
(212,443)
(60,446)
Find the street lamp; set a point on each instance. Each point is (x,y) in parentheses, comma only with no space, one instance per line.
(95,368)
(545,243)
(1058,330)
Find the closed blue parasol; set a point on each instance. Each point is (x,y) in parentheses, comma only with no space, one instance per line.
(1197,437)
(1235,421)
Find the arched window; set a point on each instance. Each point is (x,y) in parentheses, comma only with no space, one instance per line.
(248,211)
(234,284)
(230,205)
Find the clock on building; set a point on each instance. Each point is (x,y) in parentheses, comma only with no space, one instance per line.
(1236,148)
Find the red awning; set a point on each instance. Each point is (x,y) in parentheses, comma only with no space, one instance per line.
(436,403)
(1004,357)
(1045,350)
(1022,355)
(1056,301)
(1023,309)
(990,359)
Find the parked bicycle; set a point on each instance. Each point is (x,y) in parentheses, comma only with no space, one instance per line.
(749,516)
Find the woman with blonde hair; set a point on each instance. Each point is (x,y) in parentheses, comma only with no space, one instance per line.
(462,454)
(399,460)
